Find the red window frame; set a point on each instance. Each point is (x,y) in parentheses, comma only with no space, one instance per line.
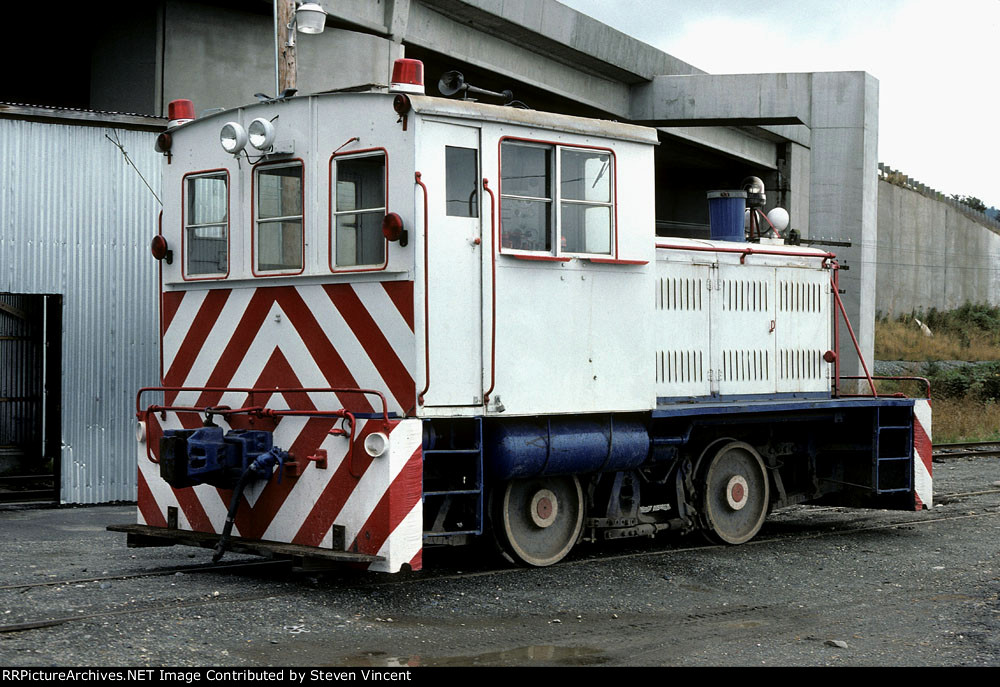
(555,255)
(229,225)
(253,217)
(331,229)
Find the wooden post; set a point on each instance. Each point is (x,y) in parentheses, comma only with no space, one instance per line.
(286,52)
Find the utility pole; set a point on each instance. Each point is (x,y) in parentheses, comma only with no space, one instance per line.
(284,46)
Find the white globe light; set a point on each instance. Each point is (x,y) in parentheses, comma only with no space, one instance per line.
(261,134)
(310,17)
(778,217)
(233,137)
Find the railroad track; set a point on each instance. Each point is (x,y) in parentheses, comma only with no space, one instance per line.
(978,449)
(408,578)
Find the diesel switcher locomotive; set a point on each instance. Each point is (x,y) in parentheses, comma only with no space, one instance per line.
(390,320)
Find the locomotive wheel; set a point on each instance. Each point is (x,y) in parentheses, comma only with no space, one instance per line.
(735,494)
(537,521)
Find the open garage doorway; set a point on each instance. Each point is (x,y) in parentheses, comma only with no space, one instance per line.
(30,390)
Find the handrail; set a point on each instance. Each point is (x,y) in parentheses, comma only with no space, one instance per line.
(493,262)
(251,391)
(927,385)
(427,327)
(835,285)
(748,250)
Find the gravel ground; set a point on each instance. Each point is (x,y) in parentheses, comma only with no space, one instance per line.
(819,586)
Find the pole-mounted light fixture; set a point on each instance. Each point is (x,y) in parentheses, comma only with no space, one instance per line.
(309,17)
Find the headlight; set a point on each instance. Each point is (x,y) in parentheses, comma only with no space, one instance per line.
(233,138)
(261,133)
(376,444)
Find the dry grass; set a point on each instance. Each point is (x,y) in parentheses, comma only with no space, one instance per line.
(895,340)
(971,410)
(965,419)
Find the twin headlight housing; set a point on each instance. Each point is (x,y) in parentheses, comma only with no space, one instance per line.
(260,135)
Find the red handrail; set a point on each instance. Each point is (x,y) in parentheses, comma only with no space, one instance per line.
(749,251)
(493,263)
(250,391)
(427,326)
(857,347)
(927,385)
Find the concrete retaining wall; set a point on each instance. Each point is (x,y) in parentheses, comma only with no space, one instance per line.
(932,254)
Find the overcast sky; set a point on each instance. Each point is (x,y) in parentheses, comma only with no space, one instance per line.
(936,61)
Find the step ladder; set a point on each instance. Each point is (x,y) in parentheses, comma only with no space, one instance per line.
(453,480)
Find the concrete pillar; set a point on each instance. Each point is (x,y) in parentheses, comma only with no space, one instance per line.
(397,18)
(843,193)
(798,161)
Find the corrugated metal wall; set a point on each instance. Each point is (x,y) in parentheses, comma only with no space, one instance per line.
(76,220)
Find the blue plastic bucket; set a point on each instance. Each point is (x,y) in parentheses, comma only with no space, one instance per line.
(726,211)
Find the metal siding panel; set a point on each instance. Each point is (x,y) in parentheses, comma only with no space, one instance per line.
(76,221)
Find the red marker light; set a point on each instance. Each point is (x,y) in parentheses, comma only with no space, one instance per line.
(401,104)
(163,143)
(829,356)
(392,228)
(158,247)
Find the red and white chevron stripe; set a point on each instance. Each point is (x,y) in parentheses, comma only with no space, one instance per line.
(320,336)
(923,492)
(332,335)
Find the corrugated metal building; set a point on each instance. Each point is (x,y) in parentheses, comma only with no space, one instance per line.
(78,313)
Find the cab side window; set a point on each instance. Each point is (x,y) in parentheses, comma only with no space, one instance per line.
(206,225)
(555,199)
(358,210)
(526,194)
(585,201)
(278,240)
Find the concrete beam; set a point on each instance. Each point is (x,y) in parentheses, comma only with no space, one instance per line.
(563,34)
(723,100)
(500,53)
(739,144)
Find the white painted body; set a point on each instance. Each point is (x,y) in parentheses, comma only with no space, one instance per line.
(725,328)
(574,333)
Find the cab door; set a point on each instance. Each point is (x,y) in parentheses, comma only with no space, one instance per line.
(449,162)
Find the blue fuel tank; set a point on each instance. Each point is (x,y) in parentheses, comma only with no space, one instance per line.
(564,445)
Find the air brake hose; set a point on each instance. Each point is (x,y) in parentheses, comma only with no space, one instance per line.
(261,468)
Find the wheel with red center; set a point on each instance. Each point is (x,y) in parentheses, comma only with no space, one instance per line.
(537,521)
(735,492)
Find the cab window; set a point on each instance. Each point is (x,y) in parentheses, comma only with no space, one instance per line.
(278,239)
(358,210)
(206,224)
(526,194)
(556,199)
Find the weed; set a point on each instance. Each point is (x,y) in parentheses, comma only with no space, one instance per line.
(966,398)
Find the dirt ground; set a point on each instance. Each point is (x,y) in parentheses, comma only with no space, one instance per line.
(819,586)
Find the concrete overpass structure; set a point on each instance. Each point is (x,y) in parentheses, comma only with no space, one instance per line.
(812,137)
